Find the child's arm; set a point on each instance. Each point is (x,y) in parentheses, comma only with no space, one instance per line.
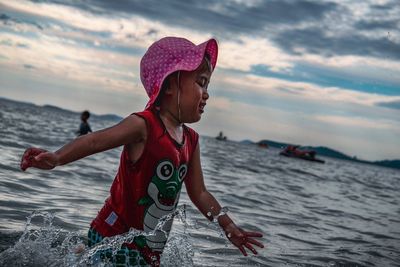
(210,207)
(130,130)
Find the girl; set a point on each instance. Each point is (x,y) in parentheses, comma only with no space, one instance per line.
(160,153)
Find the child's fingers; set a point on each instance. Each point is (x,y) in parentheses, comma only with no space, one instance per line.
(32,152)
(242,250)
(255,242)
(26,159)
(253,234)
(41,156)
(29,157)
(250,247)
(24,165)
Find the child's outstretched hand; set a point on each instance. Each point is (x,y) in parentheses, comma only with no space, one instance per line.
(242,239)
(38,158)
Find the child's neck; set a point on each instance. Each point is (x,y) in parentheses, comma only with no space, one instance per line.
(173,126)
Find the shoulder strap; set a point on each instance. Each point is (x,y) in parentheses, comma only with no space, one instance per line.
(154,127)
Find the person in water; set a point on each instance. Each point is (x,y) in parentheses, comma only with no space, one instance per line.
(221,136)
(160,153)
(294,150)
(84,128)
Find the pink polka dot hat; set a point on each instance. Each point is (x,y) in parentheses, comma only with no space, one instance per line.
(171,54)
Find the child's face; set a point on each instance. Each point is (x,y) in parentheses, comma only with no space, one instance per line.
(193,95)
(84,117)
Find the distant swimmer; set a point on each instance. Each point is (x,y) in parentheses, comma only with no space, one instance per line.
(84,128)
(221,136)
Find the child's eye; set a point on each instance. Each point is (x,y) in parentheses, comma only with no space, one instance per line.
(202,82)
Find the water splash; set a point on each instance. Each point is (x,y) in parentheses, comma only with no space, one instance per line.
(178,252)
(43,244)
(114,243)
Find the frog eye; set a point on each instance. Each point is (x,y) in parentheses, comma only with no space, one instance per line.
(165,170)
(182,172)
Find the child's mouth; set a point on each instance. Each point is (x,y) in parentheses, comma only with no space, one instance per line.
(201,107)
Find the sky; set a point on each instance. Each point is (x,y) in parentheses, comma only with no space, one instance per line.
(321,73)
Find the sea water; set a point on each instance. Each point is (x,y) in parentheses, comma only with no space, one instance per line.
(339,213)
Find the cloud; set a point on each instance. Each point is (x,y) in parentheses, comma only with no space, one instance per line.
(312,25)
(357,122)
(7,20)
(262,88)
(377,24)
(5,17)
(316,41)
(27,66)
(352,76)
(126,31)
(133,30)
(249,51)
(220,103)
(392,104)
(6,42)
(231,16)
(54,58)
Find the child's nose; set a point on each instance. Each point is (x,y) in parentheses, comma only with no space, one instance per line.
(205,95)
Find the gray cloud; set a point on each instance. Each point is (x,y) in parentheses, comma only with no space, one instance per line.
(315,40)
(7,20)
(323,28)
(8,42)
(377,24)
(384,7)
(215,16)
(29,67)
(392,104)
(4,17)
(22,45)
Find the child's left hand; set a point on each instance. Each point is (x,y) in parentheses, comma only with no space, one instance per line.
(242,239)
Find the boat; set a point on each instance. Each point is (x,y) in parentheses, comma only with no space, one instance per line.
(294,152)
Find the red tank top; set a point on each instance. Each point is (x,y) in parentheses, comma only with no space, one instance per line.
(144,191)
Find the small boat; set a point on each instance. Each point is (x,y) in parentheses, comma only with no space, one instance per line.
(293,152)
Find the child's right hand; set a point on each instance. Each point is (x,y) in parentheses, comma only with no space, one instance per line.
(243,239)
(38,158)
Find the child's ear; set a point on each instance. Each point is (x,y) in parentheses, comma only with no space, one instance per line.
(173,84)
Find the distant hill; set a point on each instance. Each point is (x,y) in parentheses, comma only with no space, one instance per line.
(247,142)
(55,108)
(110,117)
(58,109)
(389,163)
(328,152)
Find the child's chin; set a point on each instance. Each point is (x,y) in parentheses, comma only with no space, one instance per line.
(194,119)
